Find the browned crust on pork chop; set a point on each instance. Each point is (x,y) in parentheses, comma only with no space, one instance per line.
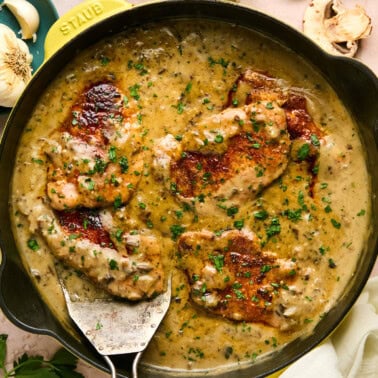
(94,155)
(231,276)
(127,265)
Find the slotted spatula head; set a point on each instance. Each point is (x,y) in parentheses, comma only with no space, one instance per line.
(118,327)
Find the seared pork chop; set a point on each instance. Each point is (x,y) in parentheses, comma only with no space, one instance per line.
(93,157)
(251,87)
(124,264)
(229,156)
(232,156)
(231,276)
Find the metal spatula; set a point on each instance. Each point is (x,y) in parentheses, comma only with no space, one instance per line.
(117,327)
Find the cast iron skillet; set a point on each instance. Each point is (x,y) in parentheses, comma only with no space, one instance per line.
(355,84)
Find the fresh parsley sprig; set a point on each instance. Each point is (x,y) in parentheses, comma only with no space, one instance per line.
(62,364)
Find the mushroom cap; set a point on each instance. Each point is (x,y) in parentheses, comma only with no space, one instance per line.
(335,28)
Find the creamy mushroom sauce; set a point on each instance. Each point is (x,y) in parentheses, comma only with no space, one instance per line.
(178,72)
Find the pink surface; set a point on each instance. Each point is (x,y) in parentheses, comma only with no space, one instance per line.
(289,11)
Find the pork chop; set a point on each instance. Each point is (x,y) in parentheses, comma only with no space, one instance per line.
(95,155)
(231,276)
(252,86)
(127,265)
(232,156)
(229,156)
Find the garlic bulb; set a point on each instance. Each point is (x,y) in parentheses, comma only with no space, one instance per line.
(26,15)
(15,69)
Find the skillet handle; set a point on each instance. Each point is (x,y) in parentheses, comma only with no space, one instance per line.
(78,19)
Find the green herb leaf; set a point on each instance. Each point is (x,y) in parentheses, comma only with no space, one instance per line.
(134,91)
(117,202)
(303,152)
(104,60)
(315,140)
(188,88)
(269,105)
(218,138)
(266,268)
(62,365)
(113,265)
(64,358)
(218,261)
(112,153)
(261,214)
(239,224)
(33,244)
(180,108)
(335,223)
(124,164)
(176,231)
(274,228)
(331,264)
(231,211)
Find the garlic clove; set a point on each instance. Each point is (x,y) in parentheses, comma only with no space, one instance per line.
(15,66)
(26,15)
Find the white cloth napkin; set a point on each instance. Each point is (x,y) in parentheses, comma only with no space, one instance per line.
(352,351)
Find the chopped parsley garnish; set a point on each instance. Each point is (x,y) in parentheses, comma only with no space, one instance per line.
(37,161)
(269,105)
(176,231)
(218,261)
(188,87)
(90,184)
(117,202)
(218,138)
(118,235)
(335,223)
(328,209)
(221,61)
(266,268)
(303,152)
(142,205)
(323,250)
(134,91)
(74,236)
(331,264)
(231,211)
(294,215)
(239,224)
(104,60)
(113,265)
(124,164)
(261,214)
(301,199)
(180,108)
(100,166)
(33,244)
(274,228)
(315,140)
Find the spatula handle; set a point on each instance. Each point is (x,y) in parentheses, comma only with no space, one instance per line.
(113,372)
(135,364)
